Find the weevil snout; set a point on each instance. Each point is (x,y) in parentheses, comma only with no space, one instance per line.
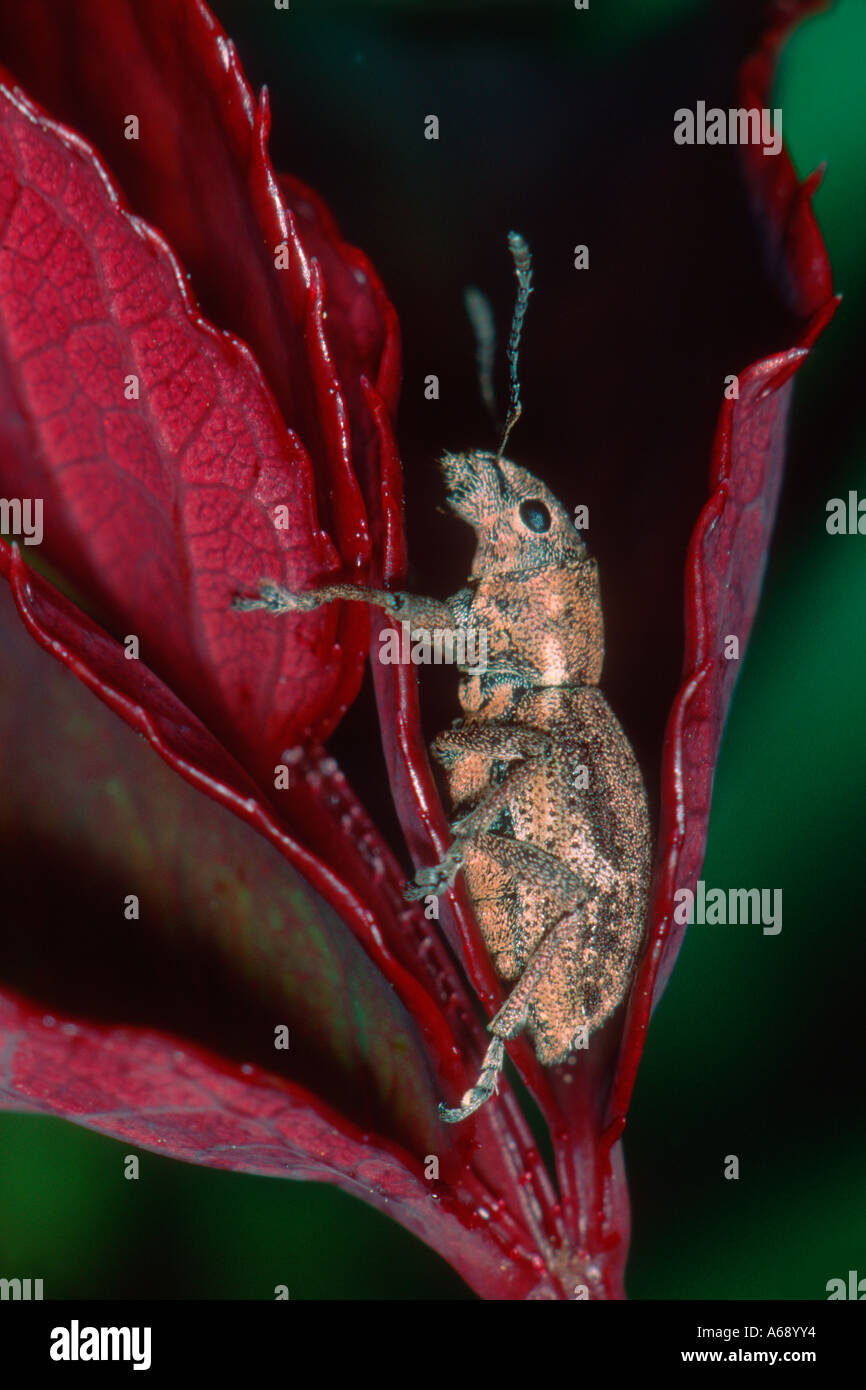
(476,485)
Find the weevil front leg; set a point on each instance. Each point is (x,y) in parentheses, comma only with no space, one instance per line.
(418,611)
(421,614)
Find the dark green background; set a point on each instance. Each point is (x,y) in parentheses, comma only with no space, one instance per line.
(752,1049)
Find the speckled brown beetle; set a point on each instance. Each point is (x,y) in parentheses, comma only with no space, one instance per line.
(553,832)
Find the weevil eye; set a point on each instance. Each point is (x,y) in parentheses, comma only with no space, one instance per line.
(535,515)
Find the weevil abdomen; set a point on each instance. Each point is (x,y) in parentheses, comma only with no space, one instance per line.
(584,807)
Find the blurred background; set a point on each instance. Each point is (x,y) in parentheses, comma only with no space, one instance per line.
(756,1048)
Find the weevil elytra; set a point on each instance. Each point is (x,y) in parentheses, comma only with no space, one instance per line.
(552,834)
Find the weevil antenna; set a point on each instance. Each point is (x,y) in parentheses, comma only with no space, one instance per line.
(483,323)
(522,258)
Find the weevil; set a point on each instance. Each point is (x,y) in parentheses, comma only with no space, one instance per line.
(552,833)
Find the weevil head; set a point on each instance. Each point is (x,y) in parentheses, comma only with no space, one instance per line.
(518,522)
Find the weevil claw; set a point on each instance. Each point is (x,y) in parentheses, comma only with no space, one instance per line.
(437,877)
(273,598)
(486,1086)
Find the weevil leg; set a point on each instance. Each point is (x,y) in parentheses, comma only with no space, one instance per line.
(536,868)
(517,741)
(503,740)
(486,1086)
(531,863)
(512,1016)
(499,740)
(510,1019)
(495,800)
(275,599)
(419,611)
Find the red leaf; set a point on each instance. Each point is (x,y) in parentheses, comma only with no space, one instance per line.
(201,173)
(160,506)
(165,1095)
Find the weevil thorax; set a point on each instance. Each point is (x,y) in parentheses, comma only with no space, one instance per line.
(535,588)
